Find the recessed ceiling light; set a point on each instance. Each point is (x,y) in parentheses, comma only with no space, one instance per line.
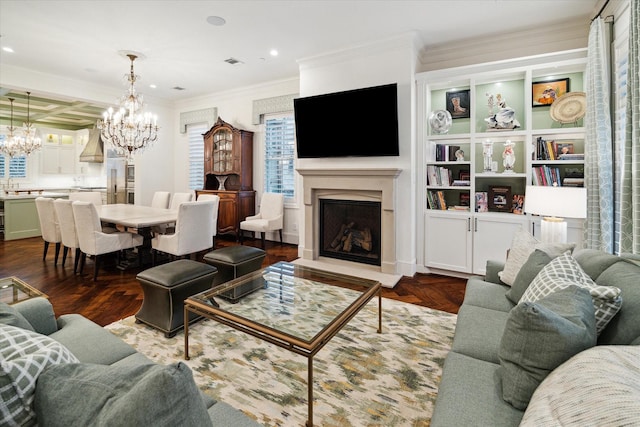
(273,52)
(7,49)
(216,20)
(153,86)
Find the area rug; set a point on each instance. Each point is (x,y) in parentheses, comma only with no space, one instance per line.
(361,378)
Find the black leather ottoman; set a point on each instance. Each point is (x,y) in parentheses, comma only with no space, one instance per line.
(166,287)
(232,262)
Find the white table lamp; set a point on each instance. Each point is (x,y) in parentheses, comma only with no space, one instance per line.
(554,204)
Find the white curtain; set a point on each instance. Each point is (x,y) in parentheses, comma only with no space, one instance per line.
(630,173)
(598,144)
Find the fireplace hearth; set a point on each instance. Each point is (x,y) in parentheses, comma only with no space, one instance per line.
(350,230)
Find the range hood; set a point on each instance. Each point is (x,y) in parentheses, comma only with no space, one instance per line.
(93,152)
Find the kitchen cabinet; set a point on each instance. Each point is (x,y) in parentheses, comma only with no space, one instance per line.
(228,172)
(58,154)
(21,216)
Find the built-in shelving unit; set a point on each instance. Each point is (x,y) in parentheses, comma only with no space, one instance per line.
(460,232)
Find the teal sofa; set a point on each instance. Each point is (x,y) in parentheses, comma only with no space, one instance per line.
(470,392)
(93,345)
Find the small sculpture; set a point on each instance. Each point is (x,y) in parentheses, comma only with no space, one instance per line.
(505,118)
(487,154)
(508,157)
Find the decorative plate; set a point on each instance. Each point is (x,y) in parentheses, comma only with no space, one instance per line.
(569,108)
(440,121)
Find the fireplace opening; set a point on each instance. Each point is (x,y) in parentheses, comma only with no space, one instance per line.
(350,230)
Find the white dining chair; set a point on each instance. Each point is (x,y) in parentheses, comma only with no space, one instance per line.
(48,226)
(216,204)
(193,231)
(179,198)
(67,224)
(94,197)
(161,199)
(270,217)
(94,242)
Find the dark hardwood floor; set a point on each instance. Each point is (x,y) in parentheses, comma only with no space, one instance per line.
(116,294)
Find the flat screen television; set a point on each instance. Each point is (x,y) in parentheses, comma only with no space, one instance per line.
(358,123)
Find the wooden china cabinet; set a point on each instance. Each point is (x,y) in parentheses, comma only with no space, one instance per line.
(228,173)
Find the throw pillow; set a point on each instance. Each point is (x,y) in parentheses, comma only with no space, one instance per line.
(598,387)
(10,316)
(530,269)
(24,355)
(540,336)
(522,245)
(104,395)
(564,271)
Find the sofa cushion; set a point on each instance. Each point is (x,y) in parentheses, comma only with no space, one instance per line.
(469,395)
(24,355)
(564,271)
(598,387)
(530,269)
(90,342)
(486,294)
(88,394)
(479,331)
(10,316)
(625,326)
(522,245)
(539,336)
(594,262)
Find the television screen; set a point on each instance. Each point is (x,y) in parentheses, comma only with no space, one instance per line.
(361,122)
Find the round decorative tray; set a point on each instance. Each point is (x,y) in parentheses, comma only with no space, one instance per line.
(440,121)
(569,108)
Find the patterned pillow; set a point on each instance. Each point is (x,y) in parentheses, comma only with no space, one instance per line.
(565,271)
(597,387)
(522,245)
(24,355)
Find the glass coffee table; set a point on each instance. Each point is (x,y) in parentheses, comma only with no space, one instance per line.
(294,307)
(13,290)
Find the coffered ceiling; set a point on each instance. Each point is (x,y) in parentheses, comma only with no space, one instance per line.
(184,55)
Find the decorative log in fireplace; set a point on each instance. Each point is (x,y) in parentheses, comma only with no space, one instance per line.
(350,230)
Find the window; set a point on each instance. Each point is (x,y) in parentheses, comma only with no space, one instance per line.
(196,155)
(279,155)
(12,168)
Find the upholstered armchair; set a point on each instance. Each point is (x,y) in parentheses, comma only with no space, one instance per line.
(93,241)
(193,231)
(216,204)
(48,226)
(67,223)
(270,217)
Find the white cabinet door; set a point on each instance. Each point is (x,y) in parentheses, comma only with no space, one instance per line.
(49,155)
(492,237)
(448,241)
(58,159)
(67,159)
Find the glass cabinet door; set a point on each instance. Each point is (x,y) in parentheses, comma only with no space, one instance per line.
(223,152)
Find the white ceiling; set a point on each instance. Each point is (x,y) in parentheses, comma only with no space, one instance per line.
(81,39)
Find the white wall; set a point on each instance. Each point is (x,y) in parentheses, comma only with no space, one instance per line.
(387,61)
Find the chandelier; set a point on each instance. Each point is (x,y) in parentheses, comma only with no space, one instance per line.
(23,142)
(129,129)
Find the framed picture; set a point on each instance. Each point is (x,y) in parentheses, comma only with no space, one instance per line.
(544,93)
(481,201)
(458,104)
(517,204)
(563,148)
(499,199)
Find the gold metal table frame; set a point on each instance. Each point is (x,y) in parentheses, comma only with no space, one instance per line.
(212,306)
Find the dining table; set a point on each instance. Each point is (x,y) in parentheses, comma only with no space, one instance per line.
(138,217)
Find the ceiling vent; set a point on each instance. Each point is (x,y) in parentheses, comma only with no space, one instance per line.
(233,61)
(178,88)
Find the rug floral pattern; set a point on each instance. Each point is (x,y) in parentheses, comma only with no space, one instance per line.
(361,378)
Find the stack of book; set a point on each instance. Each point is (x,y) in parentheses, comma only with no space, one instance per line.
(435,200)
(438,176)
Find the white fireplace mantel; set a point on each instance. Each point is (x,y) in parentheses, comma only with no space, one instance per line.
(353,184)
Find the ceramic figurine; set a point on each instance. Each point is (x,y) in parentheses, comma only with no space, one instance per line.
(505,118)
(508,157)
(487,154)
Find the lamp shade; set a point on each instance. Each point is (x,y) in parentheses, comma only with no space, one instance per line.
(563,202)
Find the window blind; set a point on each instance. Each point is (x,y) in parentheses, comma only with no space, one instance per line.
(280,155)
(196,155)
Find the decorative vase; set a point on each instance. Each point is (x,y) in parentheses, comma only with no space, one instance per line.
(221,180)
(487,154)
(508,157)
